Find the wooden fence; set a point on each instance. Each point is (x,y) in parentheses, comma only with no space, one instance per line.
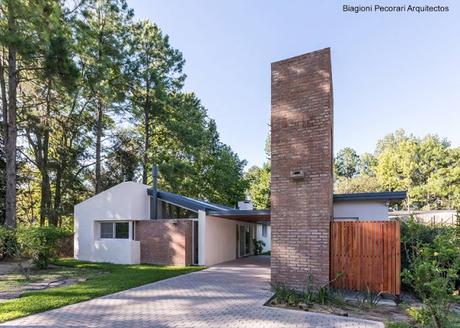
(366,255)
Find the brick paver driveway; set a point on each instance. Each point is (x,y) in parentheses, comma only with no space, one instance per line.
(228,295)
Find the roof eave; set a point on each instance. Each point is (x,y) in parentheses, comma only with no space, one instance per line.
(367,196)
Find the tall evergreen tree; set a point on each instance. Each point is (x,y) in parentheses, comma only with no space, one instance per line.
(155,72)
(97,99)
(346,163)
(102,36)
(33,39)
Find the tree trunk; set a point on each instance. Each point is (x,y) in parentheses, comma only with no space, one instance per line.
(45,198)
(60,172)
(98,147)
(146,136)
(55,213)
(10,212)
(4,102)
(45,201)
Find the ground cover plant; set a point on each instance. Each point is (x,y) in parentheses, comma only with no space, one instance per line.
(13,282)
(326,299)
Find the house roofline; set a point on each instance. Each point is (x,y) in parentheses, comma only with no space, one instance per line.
(228,212)
(386,195)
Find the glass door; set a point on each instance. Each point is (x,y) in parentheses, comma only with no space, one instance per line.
(247,237)
(195,242)
(244,240)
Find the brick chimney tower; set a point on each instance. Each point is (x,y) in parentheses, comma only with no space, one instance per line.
(301,172)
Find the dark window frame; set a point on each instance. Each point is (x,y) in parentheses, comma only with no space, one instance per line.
(108,233)
(123,234)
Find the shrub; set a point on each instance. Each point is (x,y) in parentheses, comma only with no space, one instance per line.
(432,273)
(8,243)
(40,243)
(258,246)
(397,325)
(413,236)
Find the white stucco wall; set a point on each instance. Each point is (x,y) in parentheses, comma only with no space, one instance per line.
(122,251)
(126,201)
(364,210)
(267,240)
(219,243)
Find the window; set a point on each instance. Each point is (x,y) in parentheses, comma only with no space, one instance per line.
(118,230)
(264,230)
(122,230)
(107,230)
(170,211)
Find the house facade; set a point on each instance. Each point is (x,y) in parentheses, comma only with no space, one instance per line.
(136,223)
(118,226)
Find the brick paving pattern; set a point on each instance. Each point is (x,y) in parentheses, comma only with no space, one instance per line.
(228,295)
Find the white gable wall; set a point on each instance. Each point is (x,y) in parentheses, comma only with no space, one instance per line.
(127,201)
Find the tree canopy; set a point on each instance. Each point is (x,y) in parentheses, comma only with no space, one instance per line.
(90,98)
(427,168)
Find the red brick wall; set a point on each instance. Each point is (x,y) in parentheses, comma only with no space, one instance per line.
(66,246)
(166,242)
(301,139)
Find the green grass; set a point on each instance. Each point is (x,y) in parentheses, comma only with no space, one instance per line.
(115,278)
(397,325)
(14,280)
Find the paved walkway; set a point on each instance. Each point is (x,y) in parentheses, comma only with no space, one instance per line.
(228,295)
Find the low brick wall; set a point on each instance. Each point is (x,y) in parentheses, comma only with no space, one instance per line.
(167,242)
(66,247)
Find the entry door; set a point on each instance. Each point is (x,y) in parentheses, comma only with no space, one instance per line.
(195,243)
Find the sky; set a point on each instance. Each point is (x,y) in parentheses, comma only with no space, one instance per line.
(390,70)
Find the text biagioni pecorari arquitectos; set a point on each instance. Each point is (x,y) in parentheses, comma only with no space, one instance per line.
(384,9)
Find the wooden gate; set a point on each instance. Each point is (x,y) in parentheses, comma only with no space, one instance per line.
(366,255)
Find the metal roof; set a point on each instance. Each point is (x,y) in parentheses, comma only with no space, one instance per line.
(232,213)
(386,195)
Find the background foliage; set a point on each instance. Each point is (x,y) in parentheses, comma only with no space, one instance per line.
(98,99)
(427,168)
(431,267)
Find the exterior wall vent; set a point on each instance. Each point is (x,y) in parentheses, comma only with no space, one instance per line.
(297,175)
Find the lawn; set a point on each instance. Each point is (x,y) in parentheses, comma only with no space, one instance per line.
(115,277)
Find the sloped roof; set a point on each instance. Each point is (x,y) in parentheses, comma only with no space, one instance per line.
(229,212)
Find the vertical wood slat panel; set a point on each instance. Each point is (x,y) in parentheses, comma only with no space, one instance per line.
(367,254)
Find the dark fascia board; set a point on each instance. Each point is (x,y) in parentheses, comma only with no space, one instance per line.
(387,195)
(235,212)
